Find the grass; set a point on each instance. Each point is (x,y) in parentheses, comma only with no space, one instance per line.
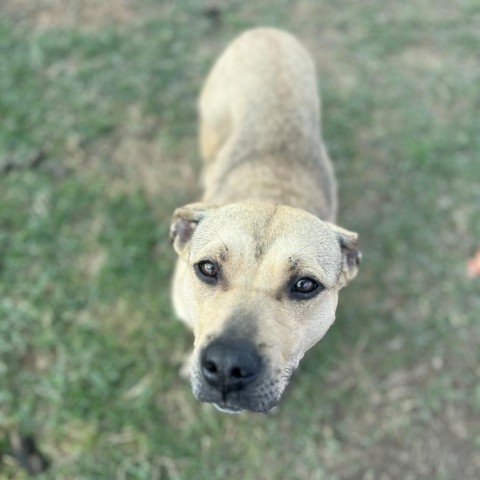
(104,99)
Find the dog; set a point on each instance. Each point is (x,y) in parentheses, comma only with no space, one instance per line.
(261,260)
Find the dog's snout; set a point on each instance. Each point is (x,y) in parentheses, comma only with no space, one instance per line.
(230,365)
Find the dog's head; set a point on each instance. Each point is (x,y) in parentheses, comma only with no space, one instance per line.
(260,288)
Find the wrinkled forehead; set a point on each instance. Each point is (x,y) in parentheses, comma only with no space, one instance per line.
(261,232)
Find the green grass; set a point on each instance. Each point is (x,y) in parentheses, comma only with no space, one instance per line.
(89,347)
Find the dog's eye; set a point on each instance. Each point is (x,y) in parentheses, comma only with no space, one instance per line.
(306,288)
(207,271)
(305,285)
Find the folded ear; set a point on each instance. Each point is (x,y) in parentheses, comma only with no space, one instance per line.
(185,221)
(350,252)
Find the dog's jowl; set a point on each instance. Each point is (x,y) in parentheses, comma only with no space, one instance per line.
(261,260)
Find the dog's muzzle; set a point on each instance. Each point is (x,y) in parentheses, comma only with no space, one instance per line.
(230,374)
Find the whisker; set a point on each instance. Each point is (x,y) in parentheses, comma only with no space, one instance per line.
(303,248)
(218,235)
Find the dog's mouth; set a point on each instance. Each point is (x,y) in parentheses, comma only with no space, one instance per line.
(230,374)
(224,408)
(236,402)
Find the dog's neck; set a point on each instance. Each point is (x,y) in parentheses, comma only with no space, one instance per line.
(289,183)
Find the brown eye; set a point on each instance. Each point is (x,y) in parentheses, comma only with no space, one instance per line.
(208,269)
(207,272)
(305,285)
(306,288)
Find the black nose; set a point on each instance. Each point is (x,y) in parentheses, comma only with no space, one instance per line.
(230,364)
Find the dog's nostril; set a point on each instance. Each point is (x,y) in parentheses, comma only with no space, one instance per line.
(241,373)
(237,373)
(210,367)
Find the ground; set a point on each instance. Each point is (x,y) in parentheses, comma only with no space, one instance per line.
(98,146)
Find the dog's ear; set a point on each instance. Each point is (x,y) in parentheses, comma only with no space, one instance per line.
(351,254)
(184,222)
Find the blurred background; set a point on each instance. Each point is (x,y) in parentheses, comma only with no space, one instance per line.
(98,146)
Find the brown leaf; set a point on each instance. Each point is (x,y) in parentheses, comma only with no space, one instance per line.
(473,265)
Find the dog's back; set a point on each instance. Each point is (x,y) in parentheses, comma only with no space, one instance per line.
(260,126)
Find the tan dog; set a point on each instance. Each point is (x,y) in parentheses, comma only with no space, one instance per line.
(260,268)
